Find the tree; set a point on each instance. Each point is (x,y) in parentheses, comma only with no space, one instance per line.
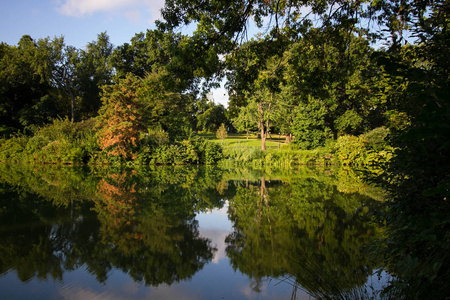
(179,55)
(27,97)
(58,64)
(164,106)
(309,126)
(337,71)
(245,120)
(222,132)
(120,118)
(263,97)
(93,71)
(211,116)
(147,53)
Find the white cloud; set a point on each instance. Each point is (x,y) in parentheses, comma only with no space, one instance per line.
(131,9)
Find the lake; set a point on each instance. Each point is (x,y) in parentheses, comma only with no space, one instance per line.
(186,233)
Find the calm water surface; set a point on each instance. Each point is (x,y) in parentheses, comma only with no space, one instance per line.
(184,233)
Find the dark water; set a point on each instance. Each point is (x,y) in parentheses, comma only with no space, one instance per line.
(185,233)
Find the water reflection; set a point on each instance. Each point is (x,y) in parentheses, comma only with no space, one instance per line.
(166,225)
(306,229)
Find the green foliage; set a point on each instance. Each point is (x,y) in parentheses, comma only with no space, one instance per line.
(309,127)
(242,155)
(367,149)
(280,158)
(210,117)
(26,96)
(222,132)
(350,122)
(245,120)
(351,150)
(13,149)
(194,150)
(212,152)
(56,143)
(164,106)
(377,139)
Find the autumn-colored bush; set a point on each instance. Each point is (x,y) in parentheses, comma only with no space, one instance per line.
(119,119)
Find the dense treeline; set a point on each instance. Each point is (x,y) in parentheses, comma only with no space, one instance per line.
(119,101)
(135,101)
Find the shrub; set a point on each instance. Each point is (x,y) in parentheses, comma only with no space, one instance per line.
(13,149)
(194,150)
(212,153)
(351,150)
(370,148)
(59,142)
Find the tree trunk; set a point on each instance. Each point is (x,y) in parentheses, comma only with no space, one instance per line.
(72,107)
(288,138)
(261,125)
(263,139)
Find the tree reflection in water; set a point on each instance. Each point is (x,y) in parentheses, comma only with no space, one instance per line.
(119,224)
(306,232)
(303,226)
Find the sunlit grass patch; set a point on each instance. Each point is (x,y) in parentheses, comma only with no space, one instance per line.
(241,141)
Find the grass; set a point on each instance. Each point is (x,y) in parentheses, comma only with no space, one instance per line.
(241,141)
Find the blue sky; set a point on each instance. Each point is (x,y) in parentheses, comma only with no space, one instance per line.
(80,21)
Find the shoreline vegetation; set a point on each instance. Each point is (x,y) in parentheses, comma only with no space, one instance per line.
(65,142)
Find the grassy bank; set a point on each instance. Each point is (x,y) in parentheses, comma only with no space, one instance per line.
(368,149)
(241,141)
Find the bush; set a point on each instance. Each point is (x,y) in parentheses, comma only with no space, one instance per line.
(59,142)
(13,149)
(194,150)
(351,150)
(212,153)
(370,148)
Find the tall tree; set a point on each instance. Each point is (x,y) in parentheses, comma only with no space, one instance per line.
(120,118)
(147,52)
(245,119)
(211,116)
(334,69)
(26,96)
(93,71)
(263,97)
(164,105)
